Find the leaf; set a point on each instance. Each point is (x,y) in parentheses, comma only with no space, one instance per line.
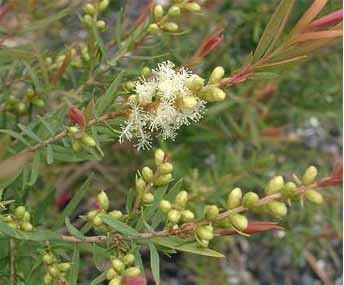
(12,166)
(89,112)
(29,133)
(74,271)
(99,279)
(187,246)
(15,135)
(155,263)
(50,154)
(61,70)
(283,63)
(73,230)
(74,202)
(35,168)
(119,226)
(273,29)
(105,101)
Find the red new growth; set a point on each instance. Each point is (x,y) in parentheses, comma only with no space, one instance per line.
(210,43)
(76,116)
(139,280)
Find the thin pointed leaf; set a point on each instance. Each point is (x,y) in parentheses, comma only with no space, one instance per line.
(155,263)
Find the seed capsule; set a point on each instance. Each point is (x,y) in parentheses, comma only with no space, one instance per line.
(187,216)
(216,75)
(250,200)
(277,209)
(118,265)
(166,168)
(132,271)
(314,196)
(147,174)
(309,175)
(165,206)
(128,259)
(174,216)
(240,222)
(103,200)
(211,212)
(234,198)
(181,199)
(205,232)
(163,180)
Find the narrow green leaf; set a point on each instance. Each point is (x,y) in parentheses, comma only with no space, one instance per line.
(15,135)
(155,263)
(73,230)
(74,271)
(105,101)
(50,154)
(119,226)
(99,279)
(35,168)
(29,133)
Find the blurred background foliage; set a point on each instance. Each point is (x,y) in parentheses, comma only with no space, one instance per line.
(268,126)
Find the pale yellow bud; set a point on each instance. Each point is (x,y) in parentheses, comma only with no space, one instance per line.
(101,25)
(174,11)
(128,259)
(212,94)
(103,5)
(192,7)
(170,27)
(174,216)
(103,200)
(314,196)
(140,184)
(91,215)
(205,232)
(89,9)
(238,221)
(165,168)
(53,271)
(277,209)
(274,185)
(289,190)
(187,103)
(158,12)
(111,274)
(48,279)
(309,175)
(88,141)
(187,216)
(181,199)
(148,198)
(234,198)
(216,75)
(97,220)
(146,71)
(132,271)
(195,83)
(147,174)
(64,266)
(250,200)
(116,281)
(76,146)
(19,212)
(116,214)
(211,212)
(88,21)
(163,180)
(118,265)
(153,28)
(165,206)
(159,156)
(73,130)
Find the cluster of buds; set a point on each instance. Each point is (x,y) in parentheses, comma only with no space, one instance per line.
(209,92)
(92,11)
(177,211)
(20,220)
(80,139)
(148,178)
(14,105)
(121,268)
(56,270)
(164,18)
(204,234)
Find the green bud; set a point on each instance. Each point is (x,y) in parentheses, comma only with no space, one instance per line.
(128,259)
(187,216)
(132,271)
(212,94)
(277,209)
(140,184)
(309,175)
(289,190)
(103,200)
(73,130)
(158,12)
(88,141)
(89,9)
(250,200)
(192,7)
(147,174)
(102,6)
(234,198)
(27,227)
(97,220)
(163,180)
(153,28)
(48,60)
(47,279)
(211,212)
(64,266)
(195,83)
(116,281)
(53,271)
(21,108)
(48,259)
(181,199)
(116,214)
(274,185)
(205,232)
(238,221)
(148,198)
(174,11)
(101,25)
(12,99)
(76,146)
(19,212)
(165,206)
(146,71)
(165,168)
(118,265)
(111,274)
(88,21)
(216,75)
(38,103)
(174,216)
(26,217)
(314,196)
(30,93)
(159,156)
(91,215)
(170,27)
(129,85)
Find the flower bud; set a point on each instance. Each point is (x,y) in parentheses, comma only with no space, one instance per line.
(21,108)
(111,274)
(159,156)
(216,75)
(211,212)
(128,259)
(163,180)
(91,215)
(277,209)
(102,6)
(274,185)
(195,83)
(205,232)
(170,27)
(26,227)
(101,25)
(64,266)
(118,265)
(38,103)
(48,60)
(165,168)
(203,242)
(132,271)
(140,184)
(116,281)
(19,212)
(48,258)
(146,71)
(192,7)
(187,103)
(174,11)
(212,94)
(29,93)
(187,216)
(250,200)
(238,221)
(314,196)
(234,198)
(181,199)
(88,21)
(174,216)
(97,220)
(73,130)
(165,206)
(88,141)
(158,12)
(153,28)
(47,279)
(147,174)
(148,198)
(26,217)
(89,9)
(116,214)
(53,271)
(103,200)
(309,175)
(76,146)
(289,190)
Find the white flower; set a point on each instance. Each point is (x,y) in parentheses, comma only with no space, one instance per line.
(162,106)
